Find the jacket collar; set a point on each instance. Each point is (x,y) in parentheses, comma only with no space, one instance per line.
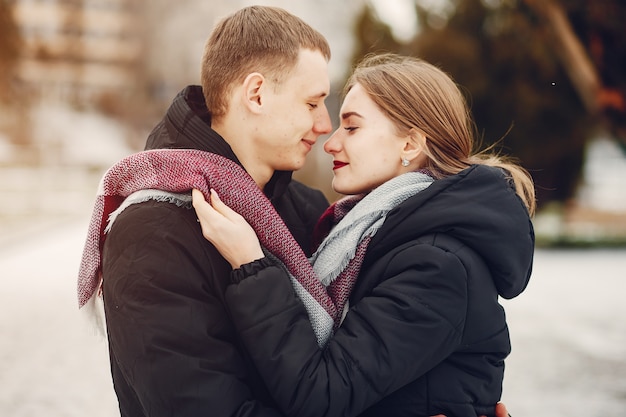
(187,125)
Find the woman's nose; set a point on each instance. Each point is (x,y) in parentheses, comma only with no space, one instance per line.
(332,144)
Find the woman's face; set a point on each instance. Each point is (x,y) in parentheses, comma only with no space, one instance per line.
(366,148)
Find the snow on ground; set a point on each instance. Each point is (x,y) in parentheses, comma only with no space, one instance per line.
(568,333)
(67,136)
(50,363)
(604,177)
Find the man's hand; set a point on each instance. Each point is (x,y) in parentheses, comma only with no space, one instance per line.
(500,411)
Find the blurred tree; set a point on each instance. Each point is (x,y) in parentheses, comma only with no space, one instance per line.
(536,85)
(599,27)
(9,50)
(373,35)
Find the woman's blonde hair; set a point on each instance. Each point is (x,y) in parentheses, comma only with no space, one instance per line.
(416,95)
(254,39)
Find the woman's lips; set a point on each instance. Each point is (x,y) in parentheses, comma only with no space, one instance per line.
(338,164)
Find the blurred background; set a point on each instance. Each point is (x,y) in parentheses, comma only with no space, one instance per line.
(82,82)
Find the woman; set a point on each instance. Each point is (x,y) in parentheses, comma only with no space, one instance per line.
(434,233)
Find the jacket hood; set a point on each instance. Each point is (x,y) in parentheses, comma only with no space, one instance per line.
(480,208)
(187,125)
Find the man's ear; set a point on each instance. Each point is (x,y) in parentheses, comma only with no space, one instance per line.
(253,88)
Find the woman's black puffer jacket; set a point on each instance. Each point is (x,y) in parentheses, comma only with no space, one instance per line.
(425,329)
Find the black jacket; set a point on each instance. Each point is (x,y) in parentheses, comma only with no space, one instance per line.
(174,351)
(425,329)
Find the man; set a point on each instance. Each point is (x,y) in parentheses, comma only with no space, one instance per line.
(173,348)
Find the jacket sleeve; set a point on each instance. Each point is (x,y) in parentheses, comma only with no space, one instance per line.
(169,333)
(406,325)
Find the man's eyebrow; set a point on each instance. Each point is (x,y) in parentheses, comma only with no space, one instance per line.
(345,115)
(321,94)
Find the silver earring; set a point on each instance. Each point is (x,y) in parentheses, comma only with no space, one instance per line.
(405,162)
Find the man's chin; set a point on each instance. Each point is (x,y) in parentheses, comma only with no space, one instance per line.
(293,166)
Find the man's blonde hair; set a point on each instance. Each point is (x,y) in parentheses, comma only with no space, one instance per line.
(254,39)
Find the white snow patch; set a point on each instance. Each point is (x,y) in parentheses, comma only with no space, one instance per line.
(78,138)
(568,334)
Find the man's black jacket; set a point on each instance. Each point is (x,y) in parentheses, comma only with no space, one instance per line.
(173,348)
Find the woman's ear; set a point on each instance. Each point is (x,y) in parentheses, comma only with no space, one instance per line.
(253,88)
(414,144)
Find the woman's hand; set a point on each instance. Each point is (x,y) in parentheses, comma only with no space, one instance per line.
(233,237)
(501,411)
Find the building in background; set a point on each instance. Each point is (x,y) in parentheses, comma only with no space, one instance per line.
(97,75)
(77,51)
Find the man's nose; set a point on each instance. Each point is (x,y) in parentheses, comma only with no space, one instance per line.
(322,124)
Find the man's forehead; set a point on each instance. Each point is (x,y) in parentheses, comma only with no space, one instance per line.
(312,73)
(310,89)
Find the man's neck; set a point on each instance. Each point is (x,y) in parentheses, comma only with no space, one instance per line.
(245,153)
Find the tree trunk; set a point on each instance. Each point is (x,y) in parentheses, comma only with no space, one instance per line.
(570,52)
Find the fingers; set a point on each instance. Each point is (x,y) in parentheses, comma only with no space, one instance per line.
(211,212)
(197,198)
(203,208)
(211,207)
(206,214)
(222,208)
(501,410)
(216,201)
(229,232)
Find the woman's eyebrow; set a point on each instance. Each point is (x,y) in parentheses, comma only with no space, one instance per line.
(345,115)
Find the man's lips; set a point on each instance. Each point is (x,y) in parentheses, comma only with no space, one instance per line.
(338,164)
(309,143)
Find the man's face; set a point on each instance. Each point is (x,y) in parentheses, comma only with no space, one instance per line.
(295,114)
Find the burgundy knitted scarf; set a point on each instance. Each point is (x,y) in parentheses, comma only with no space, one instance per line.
(324,288)
(180,171)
